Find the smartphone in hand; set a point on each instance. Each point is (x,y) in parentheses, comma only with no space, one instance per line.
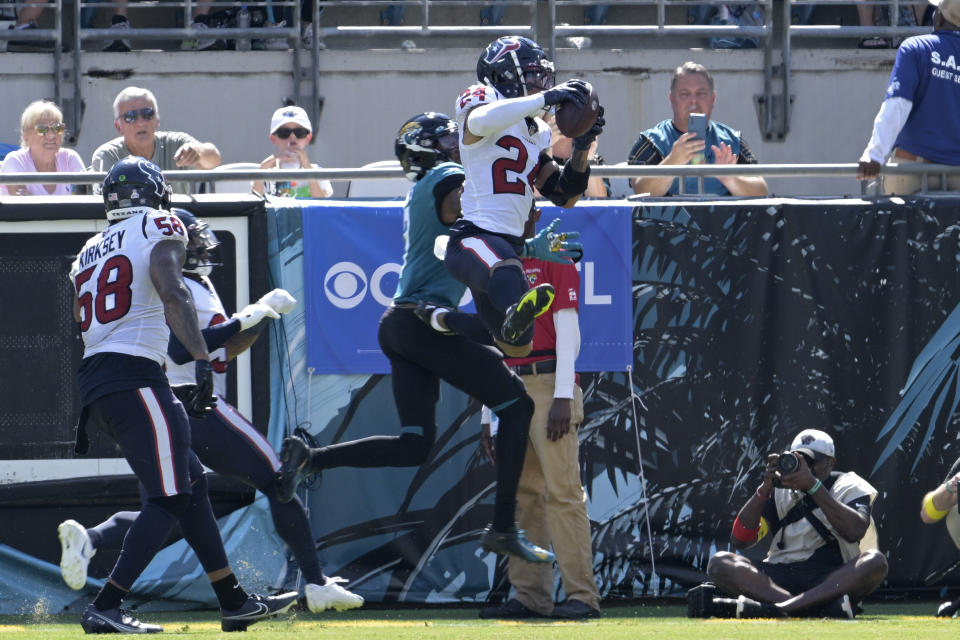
(697,124)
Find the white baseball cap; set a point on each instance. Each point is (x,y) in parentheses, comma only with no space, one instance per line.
(949,8)
(285,115)
(814,443)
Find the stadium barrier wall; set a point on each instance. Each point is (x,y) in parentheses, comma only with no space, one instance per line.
(751,321)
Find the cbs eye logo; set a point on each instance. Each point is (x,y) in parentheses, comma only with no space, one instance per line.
(345,284)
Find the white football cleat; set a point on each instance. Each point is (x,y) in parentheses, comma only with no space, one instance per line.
(331,596)
(75,553)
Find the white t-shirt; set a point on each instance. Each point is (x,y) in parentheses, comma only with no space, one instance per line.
(121,311)
(210,312)
(500,169)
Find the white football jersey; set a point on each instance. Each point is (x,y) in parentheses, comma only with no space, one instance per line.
(210,312)
(500,169)
(121,311)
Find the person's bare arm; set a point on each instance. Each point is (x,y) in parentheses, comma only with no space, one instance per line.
(450,210)
(166,264)
(242,341)
(204,155)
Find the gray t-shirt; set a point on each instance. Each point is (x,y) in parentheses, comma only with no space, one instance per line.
(166,144)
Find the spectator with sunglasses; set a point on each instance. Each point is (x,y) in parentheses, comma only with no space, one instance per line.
(41,139)
(290,132)
(136,118)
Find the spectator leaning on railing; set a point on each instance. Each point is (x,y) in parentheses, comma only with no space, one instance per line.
(670,142)
(919,120)
(136,117)
(41,140)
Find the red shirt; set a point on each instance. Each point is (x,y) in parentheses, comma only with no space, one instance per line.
(566,282)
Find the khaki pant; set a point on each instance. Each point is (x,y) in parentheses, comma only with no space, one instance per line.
(904,185)
(552,508)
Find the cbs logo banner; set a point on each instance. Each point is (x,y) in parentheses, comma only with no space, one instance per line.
(352,260)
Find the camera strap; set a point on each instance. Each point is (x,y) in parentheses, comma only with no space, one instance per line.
(801,510)
(805,509)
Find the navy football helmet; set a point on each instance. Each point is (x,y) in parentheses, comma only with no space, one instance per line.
(515,66)
(425,141)
(202,244)
(133,184)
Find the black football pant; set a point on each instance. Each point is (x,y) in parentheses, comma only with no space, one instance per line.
(228,444)
(472,254)
(419,358)
(152,430)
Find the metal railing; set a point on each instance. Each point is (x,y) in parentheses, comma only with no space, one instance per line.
(53,35)
(773,105)
(818,170)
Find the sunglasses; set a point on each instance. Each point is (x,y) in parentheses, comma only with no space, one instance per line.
(300,132)
(44,129)
(146,113)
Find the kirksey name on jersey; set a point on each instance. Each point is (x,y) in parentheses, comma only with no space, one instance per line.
(120,310)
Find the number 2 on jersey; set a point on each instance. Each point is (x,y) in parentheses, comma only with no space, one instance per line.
(111,300)
(502,182)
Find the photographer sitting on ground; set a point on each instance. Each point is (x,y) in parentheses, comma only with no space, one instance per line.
(823,556)
(940,504)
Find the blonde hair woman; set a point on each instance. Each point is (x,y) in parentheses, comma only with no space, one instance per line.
(41,140)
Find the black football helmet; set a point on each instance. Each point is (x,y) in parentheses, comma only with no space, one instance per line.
(202,244)
(425,141)
(515,66)
(132,184)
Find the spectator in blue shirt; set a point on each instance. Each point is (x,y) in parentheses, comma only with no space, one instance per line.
(919,120)
(669,142)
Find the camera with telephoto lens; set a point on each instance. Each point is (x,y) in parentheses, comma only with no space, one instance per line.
(788,462)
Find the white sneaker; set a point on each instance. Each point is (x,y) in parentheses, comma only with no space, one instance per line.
(75,553)
(199,44)
(331,596)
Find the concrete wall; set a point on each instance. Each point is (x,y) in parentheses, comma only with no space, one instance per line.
(227,98)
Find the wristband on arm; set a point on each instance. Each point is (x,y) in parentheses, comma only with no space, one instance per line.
(743,534)
(932,512)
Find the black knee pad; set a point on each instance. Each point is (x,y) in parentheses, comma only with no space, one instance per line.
(176,505)
(413,449)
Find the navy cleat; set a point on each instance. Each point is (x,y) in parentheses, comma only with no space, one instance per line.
(513,543)
(255,609)
(114,621)
(520,316)
(294,454)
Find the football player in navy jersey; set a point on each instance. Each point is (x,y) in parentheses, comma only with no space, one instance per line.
(223,439)
(130,294)
(422,352)
(503,147)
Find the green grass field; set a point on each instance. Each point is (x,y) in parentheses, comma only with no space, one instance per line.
(881,622)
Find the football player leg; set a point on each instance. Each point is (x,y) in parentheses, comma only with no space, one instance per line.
(490,265)
(484,377)
(412,384)
(227,443)
(153,432)
(134,419)
(79,544)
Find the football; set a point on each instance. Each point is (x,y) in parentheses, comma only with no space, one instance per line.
(574,120)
